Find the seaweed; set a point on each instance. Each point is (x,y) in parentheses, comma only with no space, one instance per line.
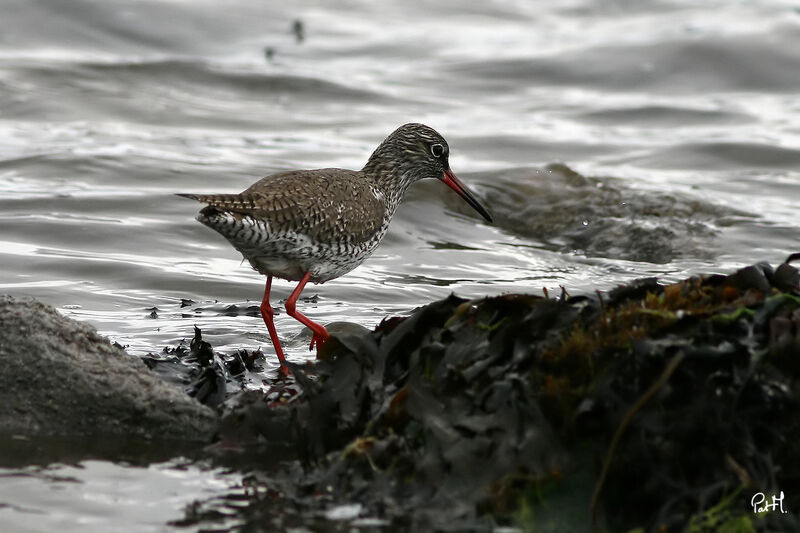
(657,407)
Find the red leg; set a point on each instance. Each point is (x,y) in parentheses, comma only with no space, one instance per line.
(267,313)
(320,334)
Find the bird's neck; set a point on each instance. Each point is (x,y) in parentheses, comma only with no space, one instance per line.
(391,179)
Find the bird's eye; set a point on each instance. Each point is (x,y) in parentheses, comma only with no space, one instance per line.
(437,150)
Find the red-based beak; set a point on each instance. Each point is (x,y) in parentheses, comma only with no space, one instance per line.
(454,183)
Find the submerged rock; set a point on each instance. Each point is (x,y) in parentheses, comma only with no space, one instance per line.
(61,378)
(601,217)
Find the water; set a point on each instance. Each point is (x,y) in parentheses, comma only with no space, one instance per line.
(101,496)
(688,112)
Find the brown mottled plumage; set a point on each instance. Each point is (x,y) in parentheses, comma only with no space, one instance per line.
(316,225)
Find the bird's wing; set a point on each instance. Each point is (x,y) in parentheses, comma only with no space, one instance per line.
(323,204)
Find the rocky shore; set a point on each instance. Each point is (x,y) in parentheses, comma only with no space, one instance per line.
(653,406)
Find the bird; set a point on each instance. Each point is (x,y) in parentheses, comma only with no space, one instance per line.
(317,225)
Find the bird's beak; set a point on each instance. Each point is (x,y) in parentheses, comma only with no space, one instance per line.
(454,183)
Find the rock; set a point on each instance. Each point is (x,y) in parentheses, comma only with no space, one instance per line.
(61,378)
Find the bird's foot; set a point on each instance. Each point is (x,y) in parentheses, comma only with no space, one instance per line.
(318,337)
(317,340)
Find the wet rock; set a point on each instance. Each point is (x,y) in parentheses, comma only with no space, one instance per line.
(601,217)
(61,378)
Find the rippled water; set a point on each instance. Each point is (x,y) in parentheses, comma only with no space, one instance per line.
(101,496)
(684,115)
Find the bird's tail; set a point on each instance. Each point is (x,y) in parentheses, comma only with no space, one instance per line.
(189,196)
(231,202)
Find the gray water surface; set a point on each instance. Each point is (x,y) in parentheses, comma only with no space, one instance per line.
(683,116)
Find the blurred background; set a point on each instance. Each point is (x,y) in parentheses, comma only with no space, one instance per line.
(611,140)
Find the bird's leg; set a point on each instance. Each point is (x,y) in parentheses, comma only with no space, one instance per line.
(267,313)
(320,334)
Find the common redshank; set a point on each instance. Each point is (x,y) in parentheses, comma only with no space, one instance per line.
(316,225)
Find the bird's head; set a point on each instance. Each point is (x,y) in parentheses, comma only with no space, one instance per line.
(413,152)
